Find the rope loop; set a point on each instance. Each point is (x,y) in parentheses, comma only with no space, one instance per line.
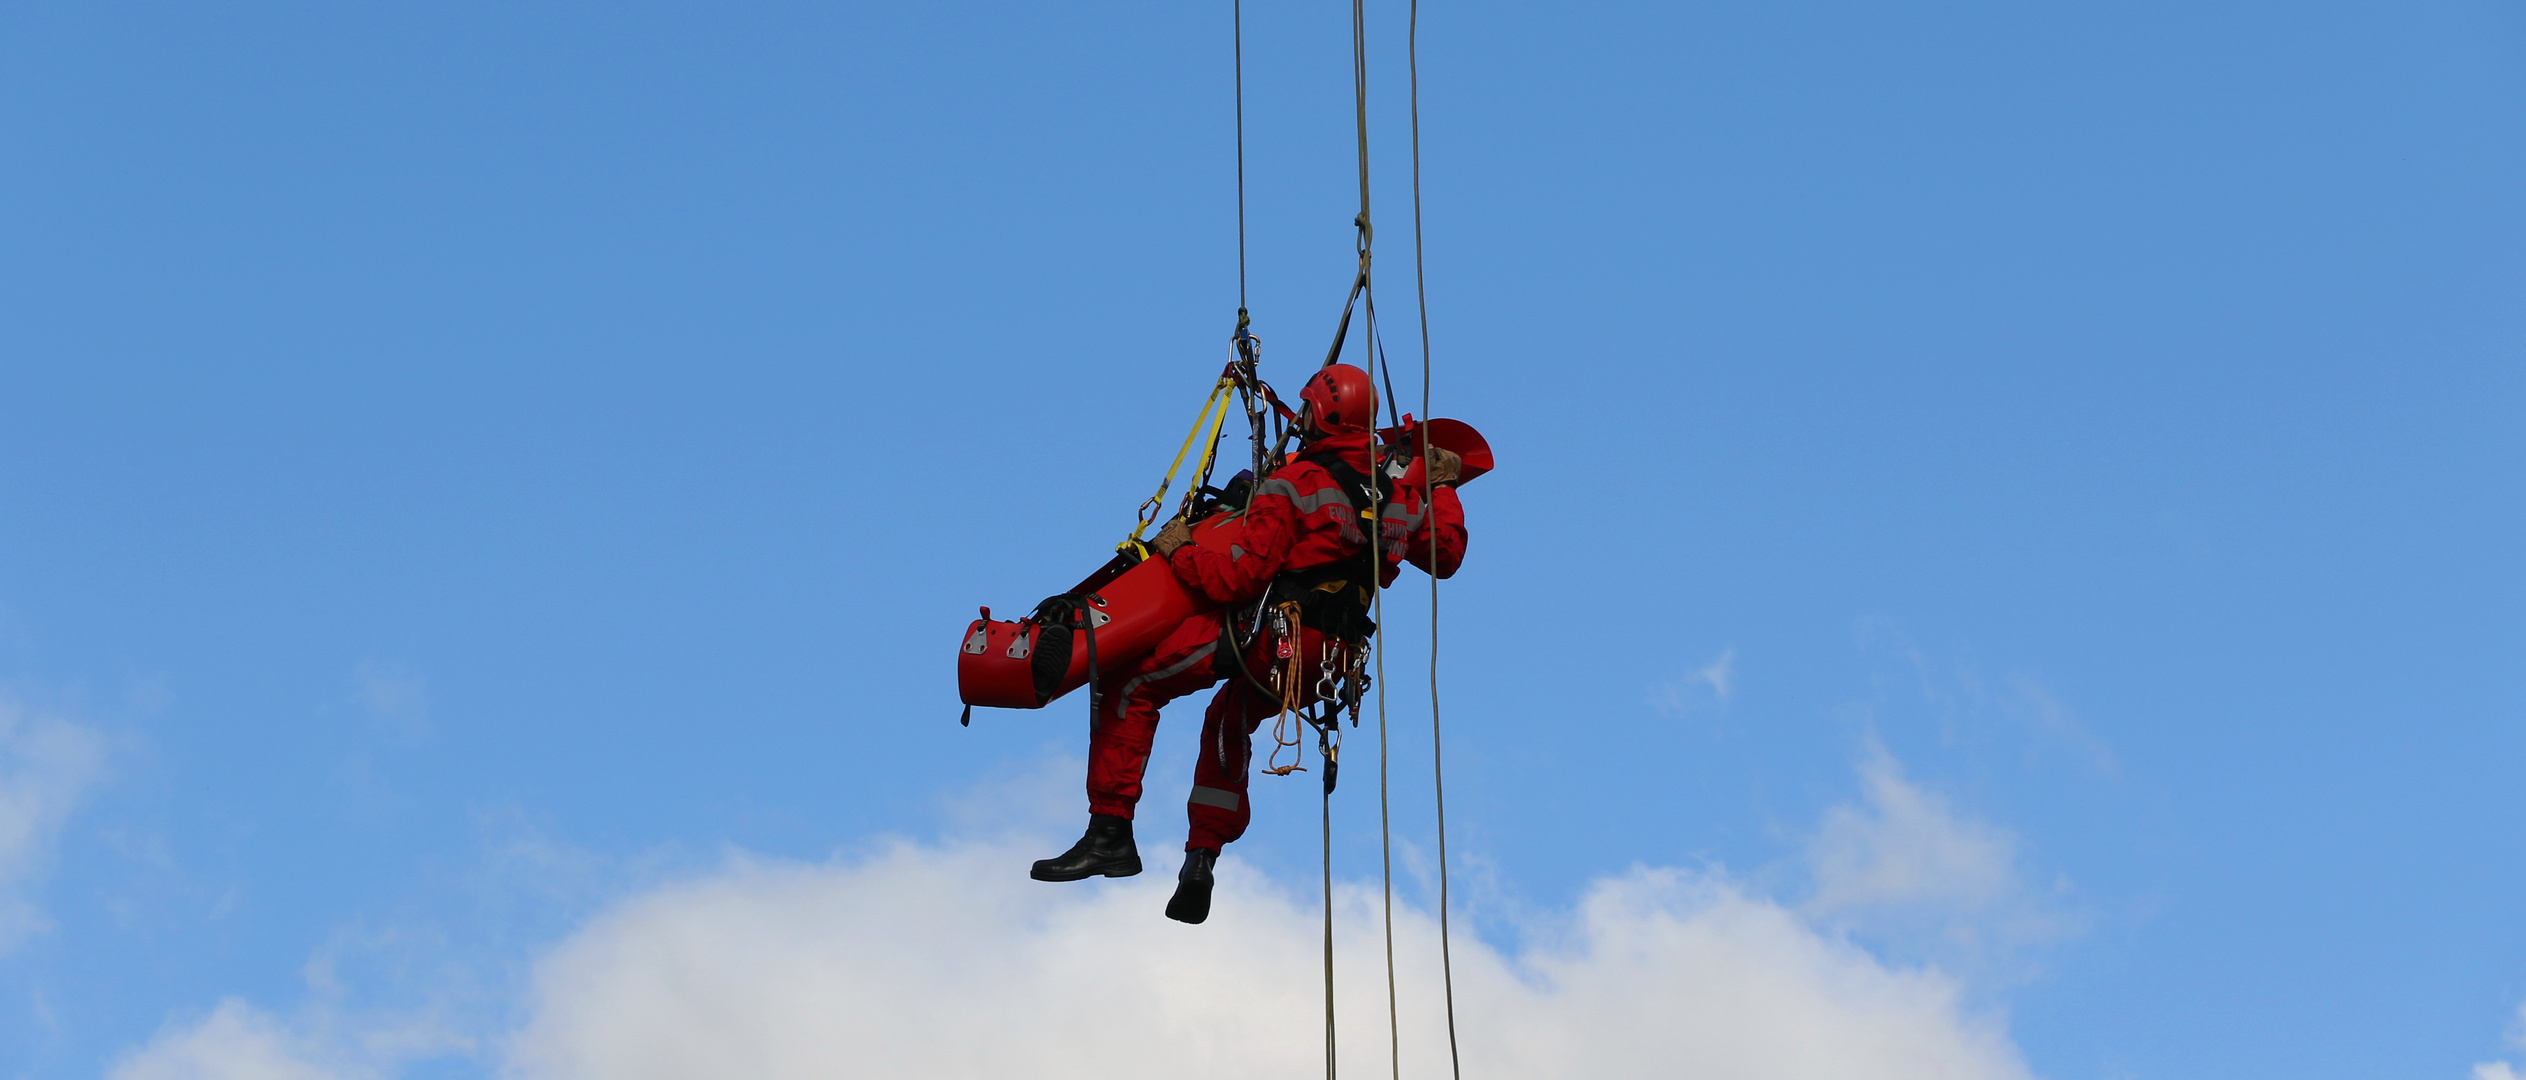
(1289,629)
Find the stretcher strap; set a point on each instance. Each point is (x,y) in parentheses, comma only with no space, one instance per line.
(1214,415)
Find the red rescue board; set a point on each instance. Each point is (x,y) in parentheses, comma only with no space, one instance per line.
(1023,664)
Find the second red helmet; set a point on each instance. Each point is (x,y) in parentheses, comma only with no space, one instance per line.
(1344,400)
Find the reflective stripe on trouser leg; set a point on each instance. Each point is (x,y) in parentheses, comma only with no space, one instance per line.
(1169,671)
(1118,744)
(1228,752)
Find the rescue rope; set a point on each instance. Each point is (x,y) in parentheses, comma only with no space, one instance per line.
(1236,14)
(1385,819)
(1438,772)
(1289,693)
(1359,94)
(1328,917)
(1359,288)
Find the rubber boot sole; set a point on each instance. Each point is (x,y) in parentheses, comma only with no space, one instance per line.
(1111,869)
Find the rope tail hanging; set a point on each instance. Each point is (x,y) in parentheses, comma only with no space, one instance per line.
(1438,771)
(1362,297)
(1291,698)
(1385,818)
(1359,289)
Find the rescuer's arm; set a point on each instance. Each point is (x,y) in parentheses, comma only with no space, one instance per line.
(1444,525)
(1252,555)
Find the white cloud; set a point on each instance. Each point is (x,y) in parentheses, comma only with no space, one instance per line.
(942,959)
(945,961)
(235,1042)
(46,765)
(1721,674)
(2501,1070)
(320,1040)
(1903,846)
(1713,682)
(1903,862)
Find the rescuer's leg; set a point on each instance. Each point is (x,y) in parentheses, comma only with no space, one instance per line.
(1118,749)
(1118,752)
(1218,806)
(1218,809)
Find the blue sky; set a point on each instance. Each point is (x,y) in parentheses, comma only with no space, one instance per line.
(2006,535)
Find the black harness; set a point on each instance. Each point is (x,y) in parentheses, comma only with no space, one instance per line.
(1337,597)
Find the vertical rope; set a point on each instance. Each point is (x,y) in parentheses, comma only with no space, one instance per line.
(1438,769)
(1377,654)
(1328,927)
(1248,350)
(1360,287)
(1359,88)
(1237,15)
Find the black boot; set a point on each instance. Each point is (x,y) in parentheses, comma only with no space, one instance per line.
(1191,903)
(1106,849)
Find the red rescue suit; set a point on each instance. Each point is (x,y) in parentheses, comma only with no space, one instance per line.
(1299,517)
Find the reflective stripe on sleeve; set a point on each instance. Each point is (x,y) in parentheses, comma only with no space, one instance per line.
(1211,796)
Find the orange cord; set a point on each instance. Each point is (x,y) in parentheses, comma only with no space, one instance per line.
(1290,698)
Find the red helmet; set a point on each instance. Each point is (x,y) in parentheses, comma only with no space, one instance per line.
(1343,399)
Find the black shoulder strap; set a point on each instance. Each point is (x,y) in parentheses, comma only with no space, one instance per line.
(1356,485)
(1338,592)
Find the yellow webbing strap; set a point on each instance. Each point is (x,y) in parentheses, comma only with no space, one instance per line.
(1214,415)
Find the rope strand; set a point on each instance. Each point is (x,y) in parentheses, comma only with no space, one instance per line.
(1236,11)
(1359,289)
(1385,818)
(1328,928)
(1359,88)
(1438,769)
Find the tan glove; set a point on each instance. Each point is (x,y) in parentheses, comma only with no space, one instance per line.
(1444,466)
(1175,535)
